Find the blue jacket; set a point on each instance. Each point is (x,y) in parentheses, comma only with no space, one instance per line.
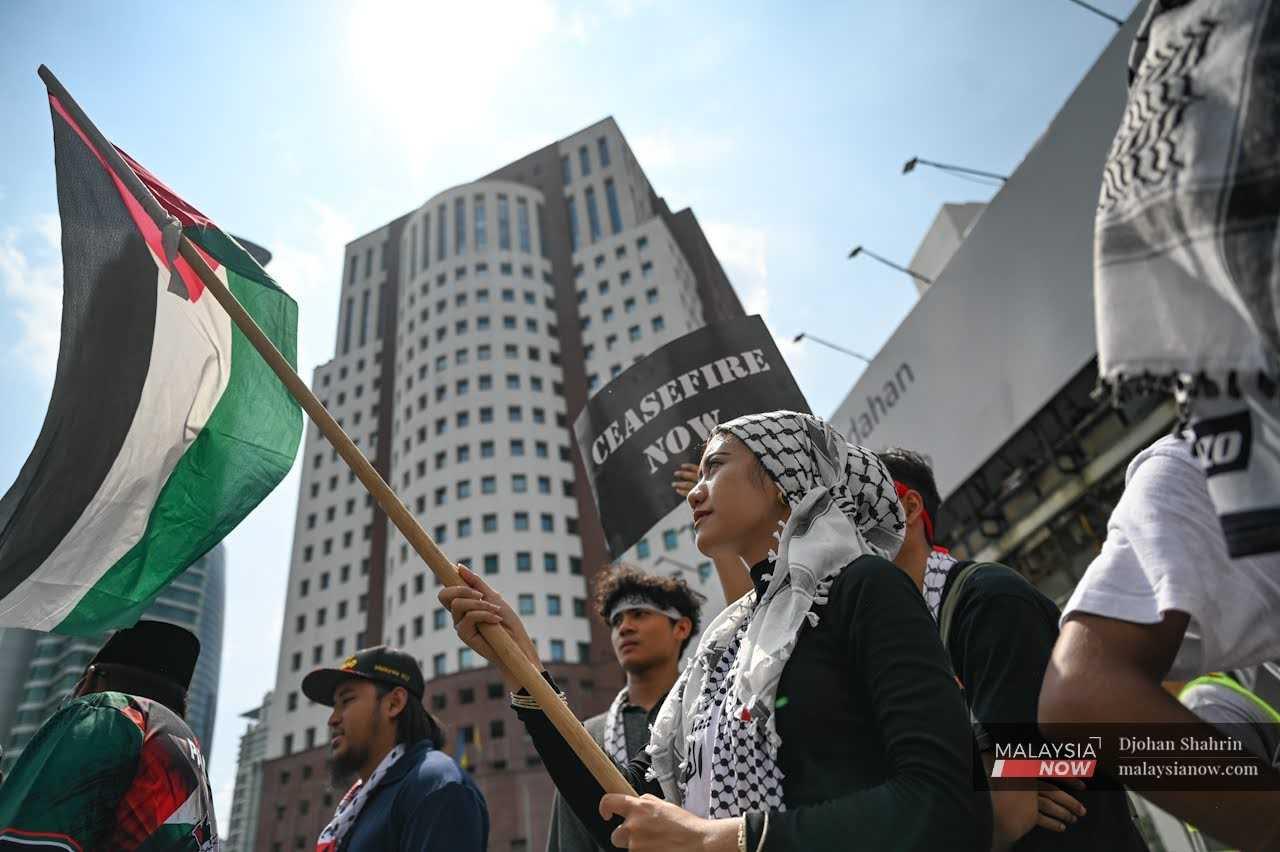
(425,803)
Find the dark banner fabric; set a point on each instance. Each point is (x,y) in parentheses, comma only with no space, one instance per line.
(639,428)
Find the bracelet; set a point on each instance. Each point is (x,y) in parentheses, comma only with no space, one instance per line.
(528,702)
(764,832)
(742,835)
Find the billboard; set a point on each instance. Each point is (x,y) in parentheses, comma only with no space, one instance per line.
(1010,319)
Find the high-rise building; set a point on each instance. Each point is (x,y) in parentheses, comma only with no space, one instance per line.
(471,331)
(246,800)
(194,600)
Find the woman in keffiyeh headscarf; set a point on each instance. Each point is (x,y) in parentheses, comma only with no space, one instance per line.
(819,711)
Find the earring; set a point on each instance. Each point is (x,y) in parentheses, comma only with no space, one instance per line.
(782,500)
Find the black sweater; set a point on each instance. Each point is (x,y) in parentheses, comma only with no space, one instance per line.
(876,749)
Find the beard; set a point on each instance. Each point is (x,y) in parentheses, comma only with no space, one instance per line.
(343,767)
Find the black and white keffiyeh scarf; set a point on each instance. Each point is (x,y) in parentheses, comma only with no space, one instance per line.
(615,733)
(353,802)
(843,505)
(1186,273)
(936,571)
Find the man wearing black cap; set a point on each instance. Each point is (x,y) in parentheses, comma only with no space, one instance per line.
(117,767)
(408,795)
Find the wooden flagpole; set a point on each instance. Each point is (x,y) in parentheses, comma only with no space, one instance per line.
(511,656)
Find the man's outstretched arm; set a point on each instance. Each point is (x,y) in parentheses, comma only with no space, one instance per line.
(1108,670)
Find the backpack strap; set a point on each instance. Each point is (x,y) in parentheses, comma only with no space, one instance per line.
(946,614)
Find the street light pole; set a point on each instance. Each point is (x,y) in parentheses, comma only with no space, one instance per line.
(910,165)
(857,250)
(1095,10)
(802,335)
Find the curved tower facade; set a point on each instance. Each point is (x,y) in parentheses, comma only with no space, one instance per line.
(471,331)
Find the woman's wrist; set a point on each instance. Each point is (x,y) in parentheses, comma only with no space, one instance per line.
(722,835)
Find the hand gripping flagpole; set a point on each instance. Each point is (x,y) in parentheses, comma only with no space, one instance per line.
(512,658)
(515,662)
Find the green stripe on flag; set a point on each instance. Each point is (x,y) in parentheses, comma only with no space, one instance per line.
(244,450)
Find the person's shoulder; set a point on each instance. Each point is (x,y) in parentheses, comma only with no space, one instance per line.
(1168,460)
(991,580)
(435,770)
(870,573)
(595,726)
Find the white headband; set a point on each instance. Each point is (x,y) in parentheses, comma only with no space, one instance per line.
(641,602)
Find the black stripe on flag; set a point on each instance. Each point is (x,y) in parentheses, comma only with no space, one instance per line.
(108,319)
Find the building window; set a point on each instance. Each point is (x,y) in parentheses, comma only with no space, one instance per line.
(522,521)
(573,223)
(491,563)
(459,225)
(482,236)
(466,659)
(504,224)
(524,562)
(602,150)
(288,743)
(658,323)
(651,295)
(584,160)
(488,484)
(550,563)
(646,269)
(525,602)
(670,540)
(489,523)
(464,527)
(548,522)
(557,650)
(438,665)
(517,447)
(519,483)
(440,231)
(611,201)
(544,485)
(566,174)
(553,604)
(633,333)
(593,214)
(522,224)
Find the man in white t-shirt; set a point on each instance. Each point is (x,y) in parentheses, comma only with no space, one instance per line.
(1164,601)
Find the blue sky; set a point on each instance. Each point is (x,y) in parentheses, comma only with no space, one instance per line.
(303,125)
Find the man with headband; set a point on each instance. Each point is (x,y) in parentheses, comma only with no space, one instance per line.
(999,631)
(652,620)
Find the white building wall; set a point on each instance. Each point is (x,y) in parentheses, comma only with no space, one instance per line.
(325,607)
(477,339)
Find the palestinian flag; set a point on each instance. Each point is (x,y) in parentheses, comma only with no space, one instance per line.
(165,427)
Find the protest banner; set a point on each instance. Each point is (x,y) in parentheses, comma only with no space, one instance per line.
(637,430)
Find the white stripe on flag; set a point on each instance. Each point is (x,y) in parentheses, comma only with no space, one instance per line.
(189,370)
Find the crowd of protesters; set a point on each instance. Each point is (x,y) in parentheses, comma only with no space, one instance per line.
(853,690)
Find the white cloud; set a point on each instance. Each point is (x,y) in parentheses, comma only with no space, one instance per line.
(432,70)
(743,251)
(664,148)
(31,282)
(308,264)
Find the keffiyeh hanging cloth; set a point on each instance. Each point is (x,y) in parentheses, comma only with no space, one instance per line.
(1186,273)
(843,506)
(353,802)
(936,571)
(615,734)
